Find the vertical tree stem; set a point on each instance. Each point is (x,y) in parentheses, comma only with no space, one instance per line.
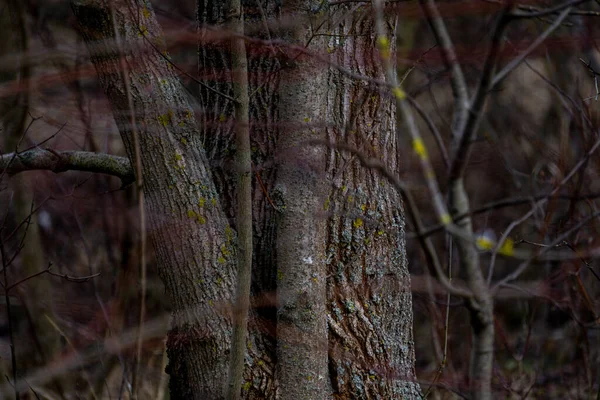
(243,165)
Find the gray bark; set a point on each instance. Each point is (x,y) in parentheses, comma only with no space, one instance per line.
(194,245)
(328,234)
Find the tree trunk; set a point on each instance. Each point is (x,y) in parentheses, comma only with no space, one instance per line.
(328,233)
(194,245)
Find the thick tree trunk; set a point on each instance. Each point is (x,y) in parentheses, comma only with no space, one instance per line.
(371,352)
(194,245)
(368,299)
(328,234)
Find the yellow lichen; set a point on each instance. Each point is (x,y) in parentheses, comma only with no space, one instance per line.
(224,250)
(201,202)
(228,234)
(201,219)
(191,214)
(358,222)
(165,119)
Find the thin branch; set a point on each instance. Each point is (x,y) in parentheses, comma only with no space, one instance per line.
(462,145)
(515,62)
(457,79)
(510,202)
(546,11)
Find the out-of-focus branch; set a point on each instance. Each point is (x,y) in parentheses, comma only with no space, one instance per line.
(515,62)
(457,79)
(462,144)
(61,161)
(534,12)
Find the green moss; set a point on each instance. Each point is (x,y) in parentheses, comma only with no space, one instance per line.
(221,260)
(229,234)
(165,119)
(224,250)
(246,386)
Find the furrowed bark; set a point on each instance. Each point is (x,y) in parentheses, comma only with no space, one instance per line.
(193,241)
(369,299)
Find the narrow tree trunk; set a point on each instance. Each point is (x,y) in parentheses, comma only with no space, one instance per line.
(243,166)
(301,283)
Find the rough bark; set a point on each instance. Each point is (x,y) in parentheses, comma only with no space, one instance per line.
(194,244)
(342,325)
(371,353)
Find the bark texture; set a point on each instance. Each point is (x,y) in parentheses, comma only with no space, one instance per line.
(328,234)
(194,244)
(360,253)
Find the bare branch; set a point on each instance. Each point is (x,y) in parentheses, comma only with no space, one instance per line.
(457,79)
(61,161)
(535,12)
(515,62)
